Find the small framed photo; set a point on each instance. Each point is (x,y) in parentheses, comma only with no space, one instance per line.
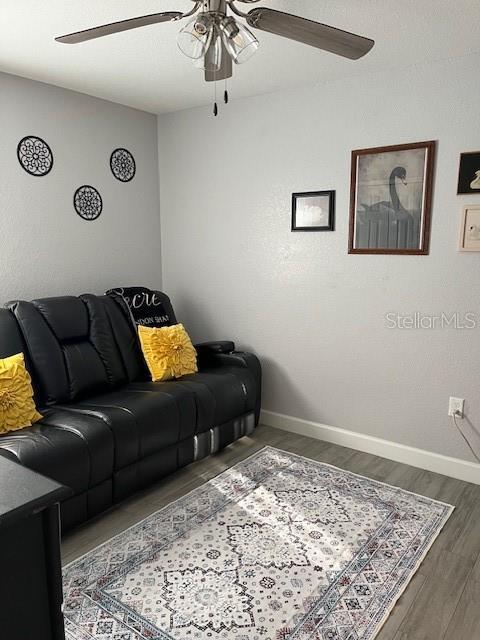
(391,199)
(469,173)
(313,211)
(470,228)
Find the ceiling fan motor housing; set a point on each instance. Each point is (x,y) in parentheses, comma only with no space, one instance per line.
(215,6)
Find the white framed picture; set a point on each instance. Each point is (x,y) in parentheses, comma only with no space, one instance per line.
(470,228)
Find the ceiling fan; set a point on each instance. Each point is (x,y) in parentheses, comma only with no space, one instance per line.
(214,39)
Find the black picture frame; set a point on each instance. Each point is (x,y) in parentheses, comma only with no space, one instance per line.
(329,196)
(469,173)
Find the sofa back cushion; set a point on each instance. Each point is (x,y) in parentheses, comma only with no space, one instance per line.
(126,338)
(71,346)
(10,337)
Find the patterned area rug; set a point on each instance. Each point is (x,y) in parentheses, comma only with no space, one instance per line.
(278,547)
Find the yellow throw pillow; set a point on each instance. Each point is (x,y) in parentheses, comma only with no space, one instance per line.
(168,351)
(17,408)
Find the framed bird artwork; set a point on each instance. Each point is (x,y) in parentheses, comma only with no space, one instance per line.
(469,173)
(391,199)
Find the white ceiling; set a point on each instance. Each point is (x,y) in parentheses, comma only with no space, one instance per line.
(144,69)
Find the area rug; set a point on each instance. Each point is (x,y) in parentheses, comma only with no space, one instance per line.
(278,547)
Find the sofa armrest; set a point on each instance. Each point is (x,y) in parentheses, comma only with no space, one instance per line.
(213,348)
(218,354)
(231,361)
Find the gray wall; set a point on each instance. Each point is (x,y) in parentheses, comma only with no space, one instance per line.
(314,314)
(45,247)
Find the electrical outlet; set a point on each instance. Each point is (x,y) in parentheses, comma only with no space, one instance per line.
(456,407)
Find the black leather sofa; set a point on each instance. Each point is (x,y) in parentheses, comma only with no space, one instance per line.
(107,429)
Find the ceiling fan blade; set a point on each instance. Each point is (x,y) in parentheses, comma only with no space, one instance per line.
(315,34)
(117,27)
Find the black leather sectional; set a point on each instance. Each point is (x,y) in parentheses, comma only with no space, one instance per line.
(107,429)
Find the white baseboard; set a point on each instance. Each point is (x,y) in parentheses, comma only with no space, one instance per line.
(453,467)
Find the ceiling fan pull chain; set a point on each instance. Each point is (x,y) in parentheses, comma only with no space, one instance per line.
(215,105)
(225,95)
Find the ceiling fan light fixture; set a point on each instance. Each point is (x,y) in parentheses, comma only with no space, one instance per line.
(212,59)
(239,41)
(195,37)
(229,27)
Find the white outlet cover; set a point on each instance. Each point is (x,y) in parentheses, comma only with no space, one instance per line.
(456,406)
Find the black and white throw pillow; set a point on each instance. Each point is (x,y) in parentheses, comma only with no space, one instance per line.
(147,307)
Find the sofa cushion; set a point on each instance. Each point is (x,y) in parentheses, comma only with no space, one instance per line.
(73,449)
(66,316)
(220,395)
(71,345)
(55,453)
(183,398)
(101,337)
(227,391)
(141,422)
(126,339)
(10,337)
(96,436)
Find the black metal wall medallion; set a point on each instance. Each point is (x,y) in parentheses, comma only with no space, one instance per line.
(122,164)
(88,202)
(35,156)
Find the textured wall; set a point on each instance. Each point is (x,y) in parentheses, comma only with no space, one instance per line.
(315,314)
(45,247)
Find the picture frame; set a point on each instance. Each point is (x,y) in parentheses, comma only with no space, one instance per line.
(469,173)
(382,220)
(470,228)
(313,211)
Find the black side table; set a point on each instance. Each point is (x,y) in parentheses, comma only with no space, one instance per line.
(31,592)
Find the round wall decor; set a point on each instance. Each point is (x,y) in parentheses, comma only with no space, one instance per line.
(35,156)
(88,202)
(122,164)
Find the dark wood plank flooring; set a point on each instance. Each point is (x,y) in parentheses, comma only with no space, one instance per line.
(442,602)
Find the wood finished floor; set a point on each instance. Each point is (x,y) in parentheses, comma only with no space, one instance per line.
(442,602)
